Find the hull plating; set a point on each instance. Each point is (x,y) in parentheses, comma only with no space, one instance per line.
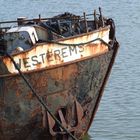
(72,92)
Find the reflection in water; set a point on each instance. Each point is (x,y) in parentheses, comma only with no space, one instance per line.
(87,137)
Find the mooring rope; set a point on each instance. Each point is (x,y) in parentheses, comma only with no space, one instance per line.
(80,44)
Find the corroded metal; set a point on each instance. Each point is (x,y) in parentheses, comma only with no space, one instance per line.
(61,88)
(48,55)
(69,78)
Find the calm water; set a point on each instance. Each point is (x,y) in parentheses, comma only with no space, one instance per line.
(118,117)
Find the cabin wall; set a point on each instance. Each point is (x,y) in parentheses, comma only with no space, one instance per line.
(42,33)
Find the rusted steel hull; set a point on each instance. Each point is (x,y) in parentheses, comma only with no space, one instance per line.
(71,91)
(46,55)
(52,76)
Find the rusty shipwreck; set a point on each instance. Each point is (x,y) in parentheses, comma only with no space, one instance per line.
(52,74)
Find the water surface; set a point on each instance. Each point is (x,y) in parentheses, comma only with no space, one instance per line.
(118,117)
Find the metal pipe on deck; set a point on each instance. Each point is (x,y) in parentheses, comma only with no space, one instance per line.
(21,20)
(95,20)
(101,17)
(86,25)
